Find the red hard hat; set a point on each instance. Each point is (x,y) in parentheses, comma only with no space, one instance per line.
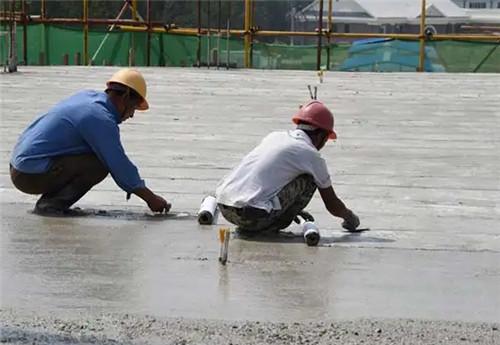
(317,114)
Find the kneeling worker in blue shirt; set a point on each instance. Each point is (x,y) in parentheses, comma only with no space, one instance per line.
(73,147)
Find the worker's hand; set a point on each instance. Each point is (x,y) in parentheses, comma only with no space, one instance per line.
(351,221)
(157,204)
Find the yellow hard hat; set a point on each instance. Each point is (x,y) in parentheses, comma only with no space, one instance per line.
(133,79)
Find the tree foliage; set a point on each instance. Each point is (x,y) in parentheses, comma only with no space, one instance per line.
(268,14)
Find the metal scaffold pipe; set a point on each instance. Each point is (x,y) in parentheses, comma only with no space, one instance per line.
(252,30)
(248,34)
(12,63)
(320,34)
(198,32)
(43,16)
(134,10)
(421,58)
(25,32)
(238,32)
(219,14)
(228,33)
(208,34)
(85,32)
(42,9)
(148,19)
(329,37)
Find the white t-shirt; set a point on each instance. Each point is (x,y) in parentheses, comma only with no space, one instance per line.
(276,161)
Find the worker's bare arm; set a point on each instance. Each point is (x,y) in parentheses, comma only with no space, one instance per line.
(338,209)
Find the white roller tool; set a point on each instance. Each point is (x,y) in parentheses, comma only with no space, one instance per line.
(311,233)
(208,211)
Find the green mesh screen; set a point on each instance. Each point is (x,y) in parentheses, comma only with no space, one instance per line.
(296,57)
(48,44)
(459,56)
(4,44)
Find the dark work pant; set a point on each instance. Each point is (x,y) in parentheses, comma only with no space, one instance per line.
(68,179)
(293,198)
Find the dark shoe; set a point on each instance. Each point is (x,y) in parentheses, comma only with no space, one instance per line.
(306,216)
(53,211)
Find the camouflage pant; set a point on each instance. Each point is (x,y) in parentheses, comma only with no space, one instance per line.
(293,198)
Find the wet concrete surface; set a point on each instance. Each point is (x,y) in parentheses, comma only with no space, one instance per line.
(170,268)
(417,159)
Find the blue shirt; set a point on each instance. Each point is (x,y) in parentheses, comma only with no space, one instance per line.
(86,122)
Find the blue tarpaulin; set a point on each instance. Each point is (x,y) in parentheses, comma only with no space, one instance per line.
(389,55)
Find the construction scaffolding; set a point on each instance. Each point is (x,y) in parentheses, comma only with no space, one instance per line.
(8,40)
(143,42)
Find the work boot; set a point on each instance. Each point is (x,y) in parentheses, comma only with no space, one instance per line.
(59,203)
(46,208)
(306,216)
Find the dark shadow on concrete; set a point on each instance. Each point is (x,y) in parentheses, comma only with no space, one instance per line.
(355,237)
(289,237)
(120,214)
(270,237)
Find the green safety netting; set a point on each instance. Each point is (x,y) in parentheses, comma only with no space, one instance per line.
(4,43)
(298,56)
(48,44)
(460,56)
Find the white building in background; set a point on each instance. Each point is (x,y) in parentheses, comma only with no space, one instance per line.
(478,4)
(397,16)
(481,12)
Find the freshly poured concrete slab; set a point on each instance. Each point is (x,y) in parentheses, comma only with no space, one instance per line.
(417,158)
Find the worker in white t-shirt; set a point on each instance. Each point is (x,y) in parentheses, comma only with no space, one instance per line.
(274,182)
